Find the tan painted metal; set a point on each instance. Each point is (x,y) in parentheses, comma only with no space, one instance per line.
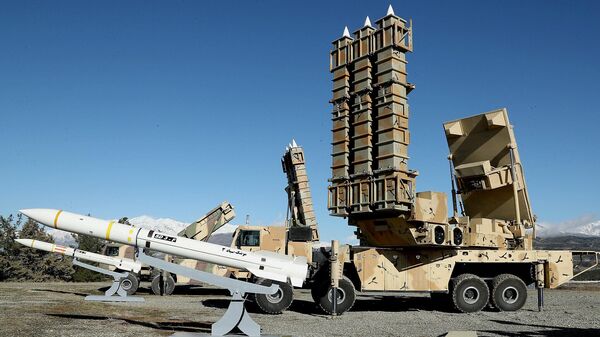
(203,228)
(300,202)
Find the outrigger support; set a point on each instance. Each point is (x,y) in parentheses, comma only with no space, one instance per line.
(236,314)
(115,293)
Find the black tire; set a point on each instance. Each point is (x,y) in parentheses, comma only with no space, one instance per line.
(277,303)
(169,287)
(130,284)
(509,292)
(322,293)
(469,293)
(316,291)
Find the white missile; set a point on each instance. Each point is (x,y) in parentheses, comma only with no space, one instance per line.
(123,264)
(262,264)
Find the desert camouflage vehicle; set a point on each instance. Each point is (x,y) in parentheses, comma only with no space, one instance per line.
(481,255)
(164,283)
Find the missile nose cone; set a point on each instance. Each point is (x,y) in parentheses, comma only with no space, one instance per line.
(26,212)
(24,242)
(346,32)
(390,10)
(43,215)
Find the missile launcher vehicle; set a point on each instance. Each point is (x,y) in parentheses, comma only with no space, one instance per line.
(480,255)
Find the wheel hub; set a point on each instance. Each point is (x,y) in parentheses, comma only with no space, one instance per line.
(276,297)
(470,295)
(126,284)
(510,295)
(340,294)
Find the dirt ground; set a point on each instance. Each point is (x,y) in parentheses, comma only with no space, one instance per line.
(58,309)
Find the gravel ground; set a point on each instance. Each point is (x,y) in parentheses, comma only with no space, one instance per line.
(58,309)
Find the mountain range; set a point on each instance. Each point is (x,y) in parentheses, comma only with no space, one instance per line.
(580,226)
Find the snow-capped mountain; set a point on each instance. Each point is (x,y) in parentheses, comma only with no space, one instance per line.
(165,225)
(582,226)
(592,228)
(62,237)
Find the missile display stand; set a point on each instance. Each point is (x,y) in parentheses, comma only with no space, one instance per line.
(115,293)
(236,314)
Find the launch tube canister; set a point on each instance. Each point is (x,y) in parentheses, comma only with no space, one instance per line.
(120,263)
(268,265)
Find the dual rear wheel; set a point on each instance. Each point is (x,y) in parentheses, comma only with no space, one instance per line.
(470,293)
(509,293)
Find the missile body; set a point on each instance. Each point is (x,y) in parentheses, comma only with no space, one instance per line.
(262,264)
(122,264)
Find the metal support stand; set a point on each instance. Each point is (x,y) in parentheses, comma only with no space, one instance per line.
(539,275)
(115,288)
(236,314)
(336,274)
(540,296)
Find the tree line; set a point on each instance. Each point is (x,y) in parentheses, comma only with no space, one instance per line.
(20,263)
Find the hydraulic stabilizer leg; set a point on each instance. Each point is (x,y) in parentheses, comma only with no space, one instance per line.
(539,284)
(115,288)
(236,314)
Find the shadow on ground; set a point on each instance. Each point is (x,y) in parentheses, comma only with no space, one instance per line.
(543,330)
(185,326)
(199,290)
(397,304)
(61,292)
(367,304)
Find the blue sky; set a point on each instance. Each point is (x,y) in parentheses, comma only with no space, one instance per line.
(168,108)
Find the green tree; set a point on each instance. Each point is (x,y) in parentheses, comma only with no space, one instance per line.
(8,247)
(21,263)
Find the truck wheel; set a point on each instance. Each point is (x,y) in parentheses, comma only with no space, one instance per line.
(169,287)
(509,293)
(130,284)
(345,296)
(275,303)
(469,293)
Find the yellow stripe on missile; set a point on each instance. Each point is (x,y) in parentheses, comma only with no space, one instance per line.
(56,218)
(110,224)
(129,237)
(32,242)
(53,246)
